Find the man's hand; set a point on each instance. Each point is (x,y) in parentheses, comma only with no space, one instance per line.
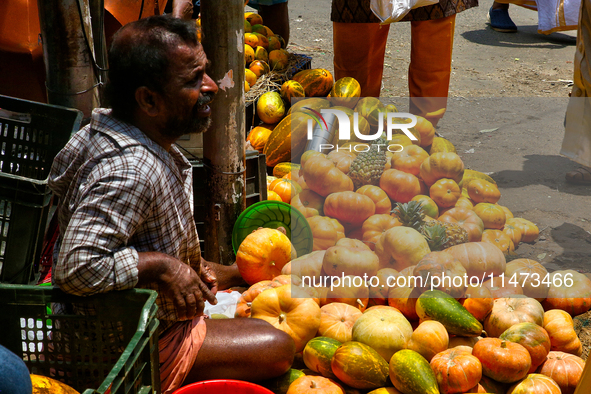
(209,276)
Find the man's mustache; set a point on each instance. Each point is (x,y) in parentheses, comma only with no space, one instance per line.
(205,99)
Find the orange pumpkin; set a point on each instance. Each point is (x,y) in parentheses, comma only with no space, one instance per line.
(565,369)
(529,231)
(379,294)
(530,274)
(426,130)
(376,225)
(405,300)
(262,255)
(478,301)
(570,291)
(245,301)
(456,371)
(378,196)
(273,196)
(351,290)
(400,247)
(492,215)
(467,219)
(481,190)
(314,385)
(323,177)
(428,339)
(309,203)
(499,239)
(298,317)
(563,336)
(400,186)
(509,311)
(409,159)
(342,159)
(286,188)
(480,259)
(508,213)
(442,165)
(350,257)
(445,192)
(463,343)
(532,337)
(441,265)
(259,135)
(535,384)
(513,233)
(503,361)
(429,206)
(501,288)
(307,265)
(349,207)
(464,202)
(326,232)
(337,320)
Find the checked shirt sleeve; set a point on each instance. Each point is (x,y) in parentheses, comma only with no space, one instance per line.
(94,255)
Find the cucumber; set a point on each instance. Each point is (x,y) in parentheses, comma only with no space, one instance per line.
(280,384)
(440,306)
(411,373)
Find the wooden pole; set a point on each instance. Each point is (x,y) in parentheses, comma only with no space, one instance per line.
(222,22)
(68,51)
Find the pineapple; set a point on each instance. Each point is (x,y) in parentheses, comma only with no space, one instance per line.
(367,168)
(439,235)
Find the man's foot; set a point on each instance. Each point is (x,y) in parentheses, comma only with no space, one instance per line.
(500,20)
(580,176)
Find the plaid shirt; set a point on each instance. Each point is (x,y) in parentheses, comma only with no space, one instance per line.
(120,193)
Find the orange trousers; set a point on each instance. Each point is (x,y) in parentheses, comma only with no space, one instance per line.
(359,50)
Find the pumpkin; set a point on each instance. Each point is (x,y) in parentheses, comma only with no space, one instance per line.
(349,289)
(529,231)
(378,292)
(570,291)
(273,196)
(282,169)
(467,219)
(565,369)
(492,215)
(530,274)
(508,213)
(409,159)
(442,165)
(345,91)
(43,384)
(428,339)
(349,207)
(315,103)
(246,298)
(532,337)
(359,366)
(469,175)
(378,196)
(445,192)
(336,321)
(400,247)
(385,330)
(426,130)
(326,232)
(411,373)
(405,300)
(350,257)
(286,188)
(262,255)
(324,178)
(503,361)
(259,135)
(481,190)
(376,225)
(535,384)
(441,144)
(456,371)
(314,385)
(560,328)
(499,239)
(316,82)
(309,203)
(463,343)
(291,89)
(465,202)
(307,265)
(480,259)
(440,270)
(509,311)
(298,317)
(318,353)
(429,207)
(501,288)
(342,160)
(288,139)
(400,186)
(512,232)
(478,301)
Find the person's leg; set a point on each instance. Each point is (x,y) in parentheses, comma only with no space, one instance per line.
(244,349)
(430,66)
(359,50)
(14,375)
(276,18)
(499,18)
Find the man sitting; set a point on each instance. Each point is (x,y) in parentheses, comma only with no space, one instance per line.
(126,208)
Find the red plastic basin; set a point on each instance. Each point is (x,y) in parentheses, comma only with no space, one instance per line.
(223,386)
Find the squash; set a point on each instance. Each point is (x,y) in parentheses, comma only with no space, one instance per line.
(282,169)
(499,239)
(529,231)
(565,369)
(345,91)
(316,82)
(349,207)
(309,203)
(530,274)
(400,247)
(481,190)
(469,175)
(405,300)
(492,215)
(467,219)
(385,330)
(342,160)
(509,311)
(359,366)
(376,225)
(324,178)
(532,337)
(428,339)
(426,130)
(445,192)
(337,320)
(478,301)
(503,361)
(43,384)
(429,207)
(315,103)
(570,291)
(318,353)
(350,258)
(480,259)
(456,371)
(288,139)
(560,328)
(439,306)
(535,384)
(259,135)
(246,298)
(512,232)
(280,384)
(463,343)
(409,159)
(307,265)
(350,289)
(378,196)
(326,231)
(314,385)
(501,288)
(262,255)
(411,373)
(400,186)
(440,270)
(298,317)
(285,188)
(378,293)
(442,165)
(440,144)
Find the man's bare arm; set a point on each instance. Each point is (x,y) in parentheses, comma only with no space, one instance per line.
(182,9)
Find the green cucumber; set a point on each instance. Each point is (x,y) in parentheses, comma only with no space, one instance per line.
(411,373)
(440,306)
(280,384)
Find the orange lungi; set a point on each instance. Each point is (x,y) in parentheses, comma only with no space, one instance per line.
(178,348)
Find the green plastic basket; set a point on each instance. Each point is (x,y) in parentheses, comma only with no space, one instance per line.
(115,349)
(273,214)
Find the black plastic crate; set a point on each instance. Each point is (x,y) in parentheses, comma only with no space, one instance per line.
(114,350)
(256,188)
(31,135)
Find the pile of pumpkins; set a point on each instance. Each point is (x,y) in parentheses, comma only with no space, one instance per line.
(516,338)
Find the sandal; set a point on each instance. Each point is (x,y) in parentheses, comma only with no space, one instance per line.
(580,176)
(500,21)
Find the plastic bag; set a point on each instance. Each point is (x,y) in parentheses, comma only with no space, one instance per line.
(227,301)
(389,11)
